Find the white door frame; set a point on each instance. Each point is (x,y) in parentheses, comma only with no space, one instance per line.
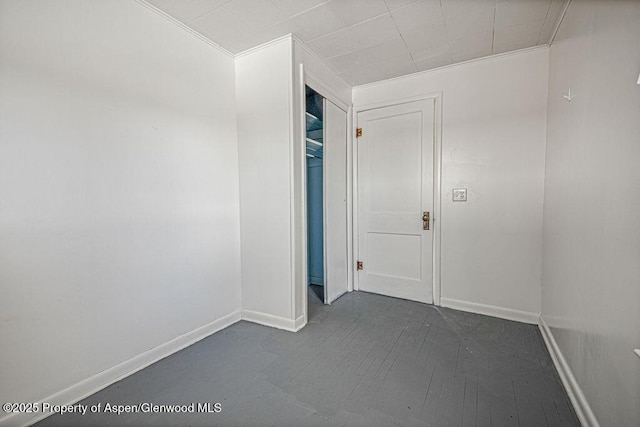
(437,182)
(315,83)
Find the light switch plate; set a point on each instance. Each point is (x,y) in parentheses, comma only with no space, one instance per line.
(459,194)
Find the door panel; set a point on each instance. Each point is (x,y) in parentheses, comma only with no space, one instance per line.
(395,187)
(335,160)
(394,169)
(394,255)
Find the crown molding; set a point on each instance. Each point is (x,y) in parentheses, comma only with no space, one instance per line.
(184,27)
(264,45)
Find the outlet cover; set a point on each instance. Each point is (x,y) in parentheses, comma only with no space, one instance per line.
(459,194)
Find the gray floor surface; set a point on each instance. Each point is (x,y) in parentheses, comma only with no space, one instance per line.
(366,360)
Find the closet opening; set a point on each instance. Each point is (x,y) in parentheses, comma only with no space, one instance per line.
(325,186)
(316,267)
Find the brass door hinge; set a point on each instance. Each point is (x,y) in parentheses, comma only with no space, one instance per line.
(360,265)
(358,132)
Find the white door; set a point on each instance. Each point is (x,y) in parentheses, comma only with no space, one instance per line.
(395,191)
(335,184)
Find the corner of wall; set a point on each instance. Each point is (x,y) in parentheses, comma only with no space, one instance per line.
(579,401)
(101,380)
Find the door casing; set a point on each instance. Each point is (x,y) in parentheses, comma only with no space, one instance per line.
(437,182)
(309,79)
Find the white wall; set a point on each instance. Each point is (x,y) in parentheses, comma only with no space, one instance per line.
(591,269)
(264,89)
(119,223)
(272,162)
(493,144)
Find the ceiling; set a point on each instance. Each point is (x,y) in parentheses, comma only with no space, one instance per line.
(371,40)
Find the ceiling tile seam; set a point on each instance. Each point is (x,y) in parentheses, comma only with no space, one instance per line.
(185,27)
(202,15)
(352,51)
(444,23)
(469,35)
(493,35)
(350,26)
(404,42)
(304,11)
(343,54)
(290,19)
(236,16)
(387,6)
(546,17)
(252,33)
(560,19)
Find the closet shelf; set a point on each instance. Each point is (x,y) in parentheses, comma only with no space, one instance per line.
(314,148)
(313,123)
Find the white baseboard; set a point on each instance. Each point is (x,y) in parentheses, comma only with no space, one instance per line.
(491,310)
(300,323)
(274,321)
(583,410)
(91,385)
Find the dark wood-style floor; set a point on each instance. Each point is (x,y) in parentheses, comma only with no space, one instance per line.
(366,360)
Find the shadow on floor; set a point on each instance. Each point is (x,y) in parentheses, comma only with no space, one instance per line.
(316,294)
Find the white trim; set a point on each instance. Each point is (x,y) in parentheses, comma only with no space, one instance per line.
(397,101)
(319,59)
(263,46)
(184,27)
(318,84)
(491,310)
(299,323)
(354,198)
(457,64)
(560,19)
(325,279)
(322,88)
(277,322)
(99,381)
(437,180)
(303,287)
(583,410)
(437,198)
(292,179)
(350,211)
